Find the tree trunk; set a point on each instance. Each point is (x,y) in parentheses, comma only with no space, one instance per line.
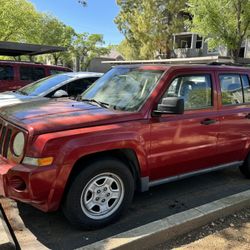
(235,54)
(56,59)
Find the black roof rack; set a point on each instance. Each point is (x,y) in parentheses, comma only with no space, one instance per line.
(208,60)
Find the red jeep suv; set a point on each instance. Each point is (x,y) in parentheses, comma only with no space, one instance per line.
(138,126)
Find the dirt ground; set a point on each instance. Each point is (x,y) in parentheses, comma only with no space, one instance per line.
(232,232)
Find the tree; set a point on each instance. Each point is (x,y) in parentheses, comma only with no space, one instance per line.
(18,20)
(87,46)
(55,33)
(126,50)
(82,2)
(148,26)
(225,22)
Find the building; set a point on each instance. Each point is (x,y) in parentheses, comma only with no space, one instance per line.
(188,44)
(96,64)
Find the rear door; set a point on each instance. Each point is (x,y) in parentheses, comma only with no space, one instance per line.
(187,142)
(7,77)
(234,115)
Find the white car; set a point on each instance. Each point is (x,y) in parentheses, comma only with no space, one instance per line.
(70,84)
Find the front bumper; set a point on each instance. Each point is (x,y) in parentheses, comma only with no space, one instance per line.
(37,183)
(4,168)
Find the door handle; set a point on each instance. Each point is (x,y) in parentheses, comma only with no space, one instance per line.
(247,116)
(208,121)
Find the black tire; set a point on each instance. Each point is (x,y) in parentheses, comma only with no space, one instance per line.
(245,168)
(74,203)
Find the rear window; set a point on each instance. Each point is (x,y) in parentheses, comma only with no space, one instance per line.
(31,73)
(6,73)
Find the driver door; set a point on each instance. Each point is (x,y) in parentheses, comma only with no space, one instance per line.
(187,142)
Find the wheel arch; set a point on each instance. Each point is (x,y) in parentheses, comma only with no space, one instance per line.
(127,156)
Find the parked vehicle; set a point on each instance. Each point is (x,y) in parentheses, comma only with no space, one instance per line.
(61,85)
(136,127)
(14,75)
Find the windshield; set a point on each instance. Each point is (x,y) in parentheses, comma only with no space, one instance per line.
(39,87)
(124,88)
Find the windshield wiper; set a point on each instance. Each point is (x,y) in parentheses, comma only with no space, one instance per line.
(101,104)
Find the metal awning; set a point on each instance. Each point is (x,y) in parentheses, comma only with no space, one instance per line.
(18,49)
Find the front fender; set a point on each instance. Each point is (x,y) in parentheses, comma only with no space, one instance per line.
(74,145)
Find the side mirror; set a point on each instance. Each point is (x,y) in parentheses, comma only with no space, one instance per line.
(170,105)
(60,93)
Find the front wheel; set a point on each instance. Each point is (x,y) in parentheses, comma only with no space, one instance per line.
(99,194)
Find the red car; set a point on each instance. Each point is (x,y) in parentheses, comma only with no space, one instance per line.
(14,75)
(138,126)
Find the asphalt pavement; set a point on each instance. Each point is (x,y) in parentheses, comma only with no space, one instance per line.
(54,232)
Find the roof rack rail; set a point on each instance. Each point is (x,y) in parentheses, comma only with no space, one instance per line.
(210,60)
(14,61)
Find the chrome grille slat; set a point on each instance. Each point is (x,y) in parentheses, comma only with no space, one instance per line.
(3,132)
(7,143)
(5,138)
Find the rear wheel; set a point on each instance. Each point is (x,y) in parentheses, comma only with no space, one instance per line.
(99,194)
(245,168)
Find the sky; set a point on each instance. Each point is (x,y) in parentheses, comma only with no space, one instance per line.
(96,18)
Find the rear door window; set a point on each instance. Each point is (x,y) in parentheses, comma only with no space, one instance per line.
(235,89)
(31,73)
(6,73)
(26,73)
(231,89)
(38,73)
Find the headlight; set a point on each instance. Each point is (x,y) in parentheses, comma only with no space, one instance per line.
(18,144)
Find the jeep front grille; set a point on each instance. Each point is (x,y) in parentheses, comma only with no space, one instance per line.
(5,137)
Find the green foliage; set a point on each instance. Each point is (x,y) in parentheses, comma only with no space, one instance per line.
(199,98)
(21,22)
(87,46)
(55,33)
(82,2)
(148,26)
(18,20)
(127,51)
(226,22)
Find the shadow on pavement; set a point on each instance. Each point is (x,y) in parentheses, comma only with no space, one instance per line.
(53,230)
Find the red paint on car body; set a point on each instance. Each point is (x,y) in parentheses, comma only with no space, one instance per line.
(165,146)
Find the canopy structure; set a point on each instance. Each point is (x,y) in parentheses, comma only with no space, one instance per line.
(19,49)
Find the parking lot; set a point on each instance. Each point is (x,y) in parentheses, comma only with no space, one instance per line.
(54,232)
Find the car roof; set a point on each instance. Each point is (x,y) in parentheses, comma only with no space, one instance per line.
(82,74)
(166,67)
(10,62)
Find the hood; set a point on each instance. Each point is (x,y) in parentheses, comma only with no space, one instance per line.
(9,98)
(53,115)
